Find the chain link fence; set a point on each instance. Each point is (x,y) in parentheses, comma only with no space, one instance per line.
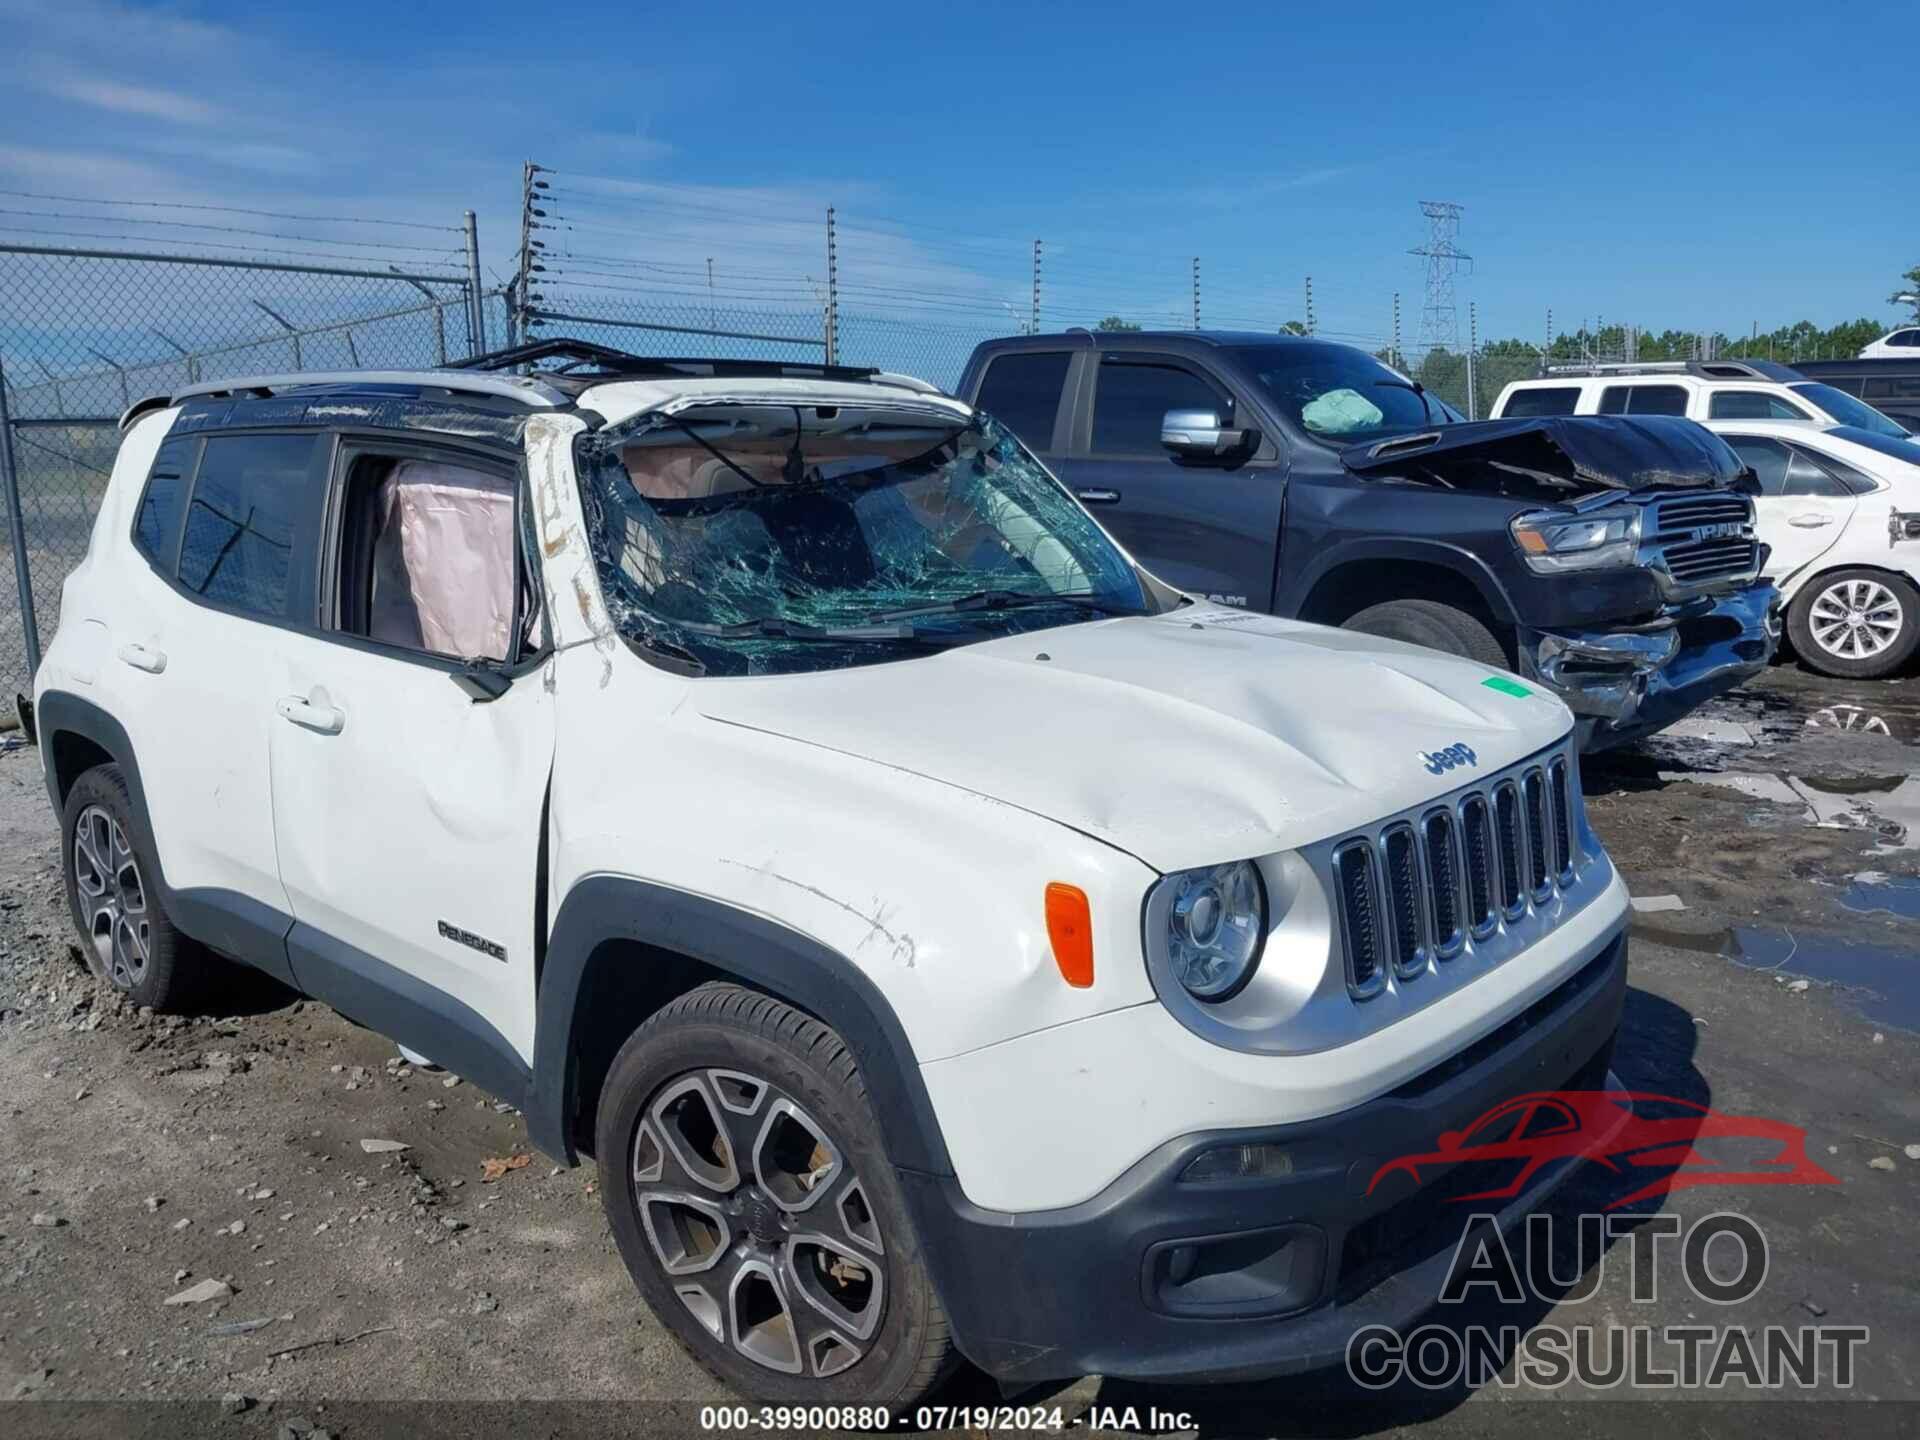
(86,333)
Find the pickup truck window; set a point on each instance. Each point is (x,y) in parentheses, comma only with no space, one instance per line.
(1644,400)
(1022,392)
(1848,410)
(1132,396)
(1542,400)
(1338,393)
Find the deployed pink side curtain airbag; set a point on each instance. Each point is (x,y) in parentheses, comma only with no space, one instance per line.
(443,561)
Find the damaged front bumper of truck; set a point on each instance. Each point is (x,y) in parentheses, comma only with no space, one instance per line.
(1623,682)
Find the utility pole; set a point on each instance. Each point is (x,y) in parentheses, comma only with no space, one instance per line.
(1196,292)
(1309,305)
(1033,323)
(476,302)
(1547,353)
(1397,360)
(713,315)
(1473,344)
(833,291)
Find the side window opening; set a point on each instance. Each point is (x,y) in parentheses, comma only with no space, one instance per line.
(1768,459)
(1643,400)
(1131,397)
(1541,400)
(1022,391)
(427,556)
(1807,476)
(156,525)
(248,521)
(1752,405)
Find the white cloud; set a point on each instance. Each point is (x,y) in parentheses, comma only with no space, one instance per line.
(134,99)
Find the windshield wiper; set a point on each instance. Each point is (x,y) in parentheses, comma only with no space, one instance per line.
(1010,600)
(772,627)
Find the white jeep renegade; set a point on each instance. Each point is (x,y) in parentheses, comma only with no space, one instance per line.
(946,939)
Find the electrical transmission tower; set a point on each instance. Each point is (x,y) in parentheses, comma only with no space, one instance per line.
(1439,320)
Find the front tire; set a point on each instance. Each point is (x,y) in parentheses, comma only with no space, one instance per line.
(743,1175)
(1856,624)
(1437,626)
(112,892)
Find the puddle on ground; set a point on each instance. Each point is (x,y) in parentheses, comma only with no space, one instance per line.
(1888,806)
(1871,894)
(1883,982)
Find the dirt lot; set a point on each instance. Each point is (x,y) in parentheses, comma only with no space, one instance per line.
(140,1156)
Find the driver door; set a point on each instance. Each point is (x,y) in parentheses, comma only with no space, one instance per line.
(407,812)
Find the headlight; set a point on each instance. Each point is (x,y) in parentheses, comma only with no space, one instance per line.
(1553,544)
(1215,924)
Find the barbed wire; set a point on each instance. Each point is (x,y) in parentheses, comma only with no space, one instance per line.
(229,210)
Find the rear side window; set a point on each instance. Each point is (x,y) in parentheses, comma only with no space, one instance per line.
(1768,459)
(1805,476)
(1133,397)
(1542,400)
(1643,400)
(1752,405)
(245,521)
(1022,392)
(1908,338)
(157,525)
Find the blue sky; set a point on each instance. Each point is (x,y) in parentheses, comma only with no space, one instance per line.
(1699,166)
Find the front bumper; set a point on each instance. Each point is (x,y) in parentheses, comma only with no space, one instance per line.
(1629,681)
(1094,1288)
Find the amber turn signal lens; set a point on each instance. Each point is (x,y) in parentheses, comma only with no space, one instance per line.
(1070,928)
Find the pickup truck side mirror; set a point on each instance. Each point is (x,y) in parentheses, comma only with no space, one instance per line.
(1199,435)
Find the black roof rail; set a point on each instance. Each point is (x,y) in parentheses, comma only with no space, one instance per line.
(604,360)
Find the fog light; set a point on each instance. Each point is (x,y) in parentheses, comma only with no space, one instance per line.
(1240,1162)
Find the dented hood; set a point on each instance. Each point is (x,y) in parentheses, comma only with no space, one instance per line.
(1184,739)
(1563,454)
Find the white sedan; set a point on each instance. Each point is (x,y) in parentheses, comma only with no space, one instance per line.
(1840,509)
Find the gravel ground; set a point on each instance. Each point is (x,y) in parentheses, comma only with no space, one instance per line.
(142,1156)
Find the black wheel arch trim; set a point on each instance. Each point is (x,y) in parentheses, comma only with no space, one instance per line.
(604,909)
(1468,566)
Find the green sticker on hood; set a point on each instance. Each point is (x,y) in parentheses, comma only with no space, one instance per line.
(1506,686)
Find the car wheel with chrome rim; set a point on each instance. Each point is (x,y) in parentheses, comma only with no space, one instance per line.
(1856,623)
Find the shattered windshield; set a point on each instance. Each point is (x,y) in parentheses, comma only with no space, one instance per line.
(751,539)
(1340,394)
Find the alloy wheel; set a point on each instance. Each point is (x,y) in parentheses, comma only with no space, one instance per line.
(113,898)
(759,1223)
(1855,619)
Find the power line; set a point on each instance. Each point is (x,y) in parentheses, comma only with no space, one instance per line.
(227,210)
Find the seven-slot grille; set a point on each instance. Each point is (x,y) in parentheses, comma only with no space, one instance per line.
(1417,890)
(1675,541)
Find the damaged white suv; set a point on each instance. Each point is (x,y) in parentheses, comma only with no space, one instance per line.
(947,940)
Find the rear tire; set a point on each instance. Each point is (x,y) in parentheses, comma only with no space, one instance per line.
(1856,624)
(1437,626)
(744,1179)
(125,934)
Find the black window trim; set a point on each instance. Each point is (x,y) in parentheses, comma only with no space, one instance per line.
(507,459)
(1082,439)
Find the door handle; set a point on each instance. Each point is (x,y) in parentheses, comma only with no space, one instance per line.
(1098,497)
(1810,521)
(322,719)
(142,658)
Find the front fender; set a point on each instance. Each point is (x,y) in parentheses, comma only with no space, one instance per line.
(759,952)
